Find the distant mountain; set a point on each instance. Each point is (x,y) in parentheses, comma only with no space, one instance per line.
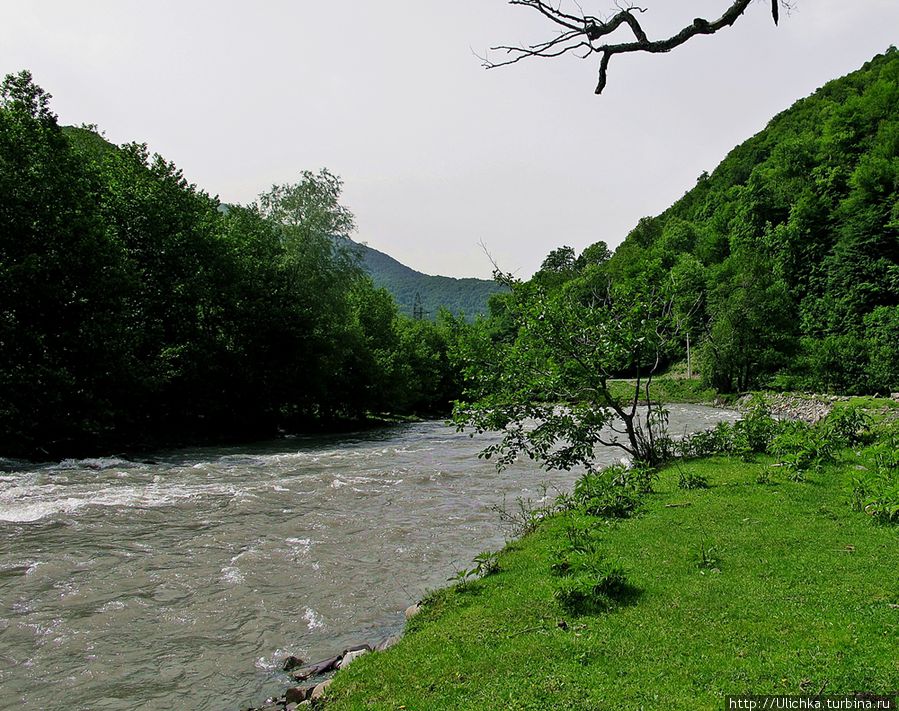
(460,296)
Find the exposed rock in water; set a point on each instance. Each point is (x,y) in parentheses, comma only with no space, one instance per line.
(301,696)
(292,663)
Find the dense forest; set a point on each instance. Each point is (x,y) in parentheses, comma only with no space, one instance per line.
(782,266)
(137,310)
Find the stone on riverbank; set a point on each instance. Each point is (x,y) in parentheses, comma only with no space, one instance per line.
(387,643)
(808,408)
(356,648)
(298,694)
(320,689)
(349,657)
(317,669)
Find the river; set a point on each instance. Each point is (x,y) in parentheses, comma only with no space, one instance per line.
(183,581)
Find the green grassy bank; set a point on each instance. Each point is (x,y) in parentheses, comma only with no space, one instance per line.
(742,587)
(667,390)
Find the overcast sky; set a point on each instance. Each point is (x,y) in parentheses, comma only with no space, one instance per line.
(437,154)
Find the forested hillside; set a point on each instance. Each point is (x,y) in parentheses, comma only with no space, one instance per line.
(466,297)
(783,264)
(791,246)
(136,312)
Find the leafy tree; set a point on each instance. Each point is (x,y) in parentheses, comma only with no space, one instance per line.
(549,392)
(795,237)
(751,328)
(559,266)
(596,254)
(137,310)
(63,346)
(318,276)
(883,329)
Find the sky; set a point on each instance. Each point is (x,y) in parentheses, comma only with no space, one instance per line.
(437,154)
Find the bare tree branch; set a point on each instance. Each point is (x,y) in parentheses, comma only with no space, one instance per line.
(588,33)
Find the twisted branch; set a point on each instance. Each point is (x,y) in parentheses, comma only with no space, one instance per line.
(582,34)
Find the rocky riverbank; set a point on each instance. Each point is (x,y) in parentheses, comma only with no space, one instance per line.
(314,678)
(809,408)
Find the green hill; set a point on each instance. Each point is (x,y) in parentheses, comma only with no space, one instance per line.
(87,140)
(788,253)
(460,296)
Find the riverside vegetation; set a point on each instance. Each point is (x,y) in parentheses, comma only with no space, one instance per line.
(137,310)
(762,560)
(740,560)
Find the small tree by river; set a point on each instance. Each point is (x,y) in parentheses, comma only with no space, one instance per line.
(550,389)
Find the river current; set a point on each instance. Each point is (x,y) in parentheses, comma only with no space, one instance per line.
(185,579)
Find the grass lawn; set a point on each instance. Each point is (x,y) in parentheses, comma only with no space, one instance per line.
(666,389)
(798,594)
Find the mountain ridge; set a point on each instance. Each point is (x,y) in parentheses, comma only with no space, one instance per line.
(462,296)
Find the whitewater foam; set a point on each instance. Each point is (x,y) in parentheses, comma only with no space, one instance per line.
(313,621)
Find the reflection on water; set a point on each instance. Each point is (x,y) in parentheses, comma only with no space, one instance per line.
(188,578)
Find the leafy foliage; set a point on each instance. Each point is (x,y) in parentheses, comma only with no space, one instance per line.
(137,309)
(691,480)
(613,492)
(589,582)
(875,489)
(545,383)
(782,265)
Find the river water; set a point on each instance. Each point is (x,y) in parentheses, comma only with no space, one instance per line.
(184,581)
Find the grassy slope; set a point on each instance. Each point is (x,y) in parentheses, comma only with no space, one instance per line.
(666,389)
(806,598)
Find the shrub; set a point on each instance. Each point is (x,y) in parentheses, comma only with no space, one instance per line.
(751,435)
(754,433)
(596,589)
(486,563)
(638,478)
(718,440)
(692,480)
(875,490)
(613,492)
(589,582)
(847,426)
(578,551)
(799,447)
